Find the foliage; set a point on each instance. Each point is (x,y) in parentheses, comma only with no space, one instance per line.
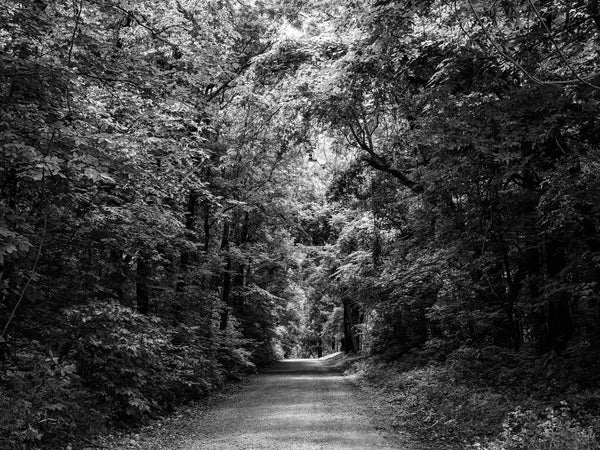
(470,145)
(556,429)
(235,182)
(45,402)
(121,367)
(143,186)
(471,403)
(137,366)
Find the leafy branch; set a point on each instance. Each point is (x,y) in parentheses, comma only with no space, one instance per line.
(35,263)
(558,49)
(518,65)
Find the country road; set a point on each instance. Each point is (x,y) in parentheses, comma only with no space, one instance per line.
(294,404)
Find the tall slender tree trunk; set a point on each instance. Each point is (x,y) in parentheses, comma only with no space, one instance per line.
(226,278)
(351,342)
(206,228)
(191,209)
(117,278)
(240,272)
(559,320)
(142,288)
(186,256)
(513,287)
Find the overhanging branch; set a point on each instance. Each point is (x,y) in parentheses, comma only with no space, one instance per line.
(379,164)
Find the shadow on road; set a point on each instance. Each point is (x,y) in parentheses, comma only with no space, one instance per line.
(297,367)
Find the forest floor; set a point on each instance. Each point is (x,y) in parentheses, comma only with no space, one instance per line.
(293,404)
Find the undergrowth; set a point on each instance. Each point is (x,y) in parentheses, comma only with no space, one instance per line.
(117,368)
(490,398)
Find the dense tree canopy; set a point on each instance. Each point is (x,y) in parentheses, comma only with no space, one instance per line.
(474,140)
(190,188)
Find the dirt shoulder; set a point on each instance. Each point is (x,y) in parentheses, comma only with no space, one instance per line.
(376,401)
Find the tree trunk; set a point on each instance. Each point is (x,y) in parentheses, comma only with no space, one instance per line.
(560,324)
(142,289)
(513,287)
(186,256)
(239,279)
(117,278)
(226,278)
(191,209)
(206,228)
(351,342)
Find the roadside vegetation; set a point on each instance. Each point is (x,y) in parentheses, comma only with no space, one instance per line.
(481,399)
(191,189)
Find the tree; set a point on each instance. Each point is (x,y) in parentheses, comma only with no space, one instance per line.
(472,116)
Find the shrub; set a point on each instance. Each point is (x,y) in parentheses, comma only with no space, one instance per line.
(473,397)
(113,366)
(43,403)
(136,366)
(432,403)
(555,429)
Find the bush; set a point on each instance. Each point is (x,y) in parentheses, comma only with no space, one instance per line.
(136,366)
(555,429)
(432,403)
(114,367)
(44,403)
(473,397)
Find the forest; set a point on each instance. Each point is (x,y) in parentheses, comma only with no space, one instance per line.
(191,189)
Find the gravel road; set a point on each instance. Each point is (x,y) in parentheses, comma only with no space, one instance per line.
(295,404)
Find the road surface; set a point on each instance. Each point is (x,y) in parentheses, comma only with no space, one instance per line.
(295,404)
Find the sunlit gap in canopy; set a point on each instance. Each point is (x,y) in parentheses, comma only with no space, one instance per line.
(290,31)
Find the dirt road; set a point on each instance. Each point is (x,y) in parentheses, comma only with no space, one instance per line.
(295,404)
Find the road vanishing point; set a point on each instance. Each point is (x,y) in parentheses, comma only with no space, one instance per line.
(293,404)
